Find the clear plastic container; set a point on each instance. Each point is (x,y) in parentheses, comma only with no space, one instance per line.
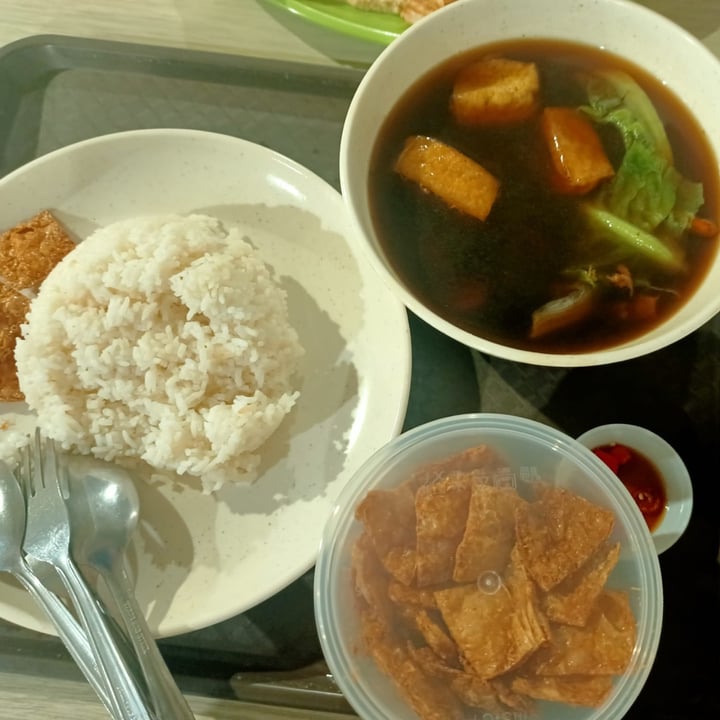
(533,451)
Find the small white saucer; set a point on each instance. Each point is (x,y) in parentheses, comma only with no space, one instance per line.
(678,486)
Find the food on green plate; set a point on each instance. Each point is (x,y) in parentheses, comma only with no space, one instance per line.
(163,339)
(539,194)
(28,252)
(477,595)
(409,10)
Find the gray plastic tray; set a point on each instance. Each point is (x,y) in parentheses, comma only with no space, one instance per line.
(58,90)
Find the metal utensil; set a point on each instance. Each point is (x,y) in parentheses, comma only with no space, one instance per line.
(12,531)
(104,508)
(47,538)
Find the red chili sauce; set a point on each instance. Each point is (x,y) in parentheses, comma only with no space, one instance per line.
(640,476)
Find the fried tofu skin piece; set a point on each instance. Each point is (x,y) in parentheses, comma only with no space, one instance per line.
(572,601)
(578,159)
(557,534)
(9,386)
(441,510)
(494,630)
(389,520)
(430,698)
(13,309)
(489,532)
(369,577)
(470,689)
(455,178)
(28,252)
(403,595)
(495,91)
(479,461)
(603,647)
(488,636)
(583,690)
(432,632)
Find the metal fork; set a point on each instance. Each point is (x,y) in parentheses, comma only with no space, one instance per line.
(47,538)
(67,627)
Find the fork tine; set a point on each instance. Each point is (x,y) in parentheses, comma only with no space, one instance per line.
(25,477)
(60,472)
(38,464)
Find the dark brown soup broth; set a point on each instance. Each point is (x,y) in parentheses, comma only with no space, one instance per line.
(488,277)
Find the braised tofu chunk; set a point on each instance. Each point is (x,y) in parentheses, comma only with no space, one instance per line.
(446,172)
(577,156)
(495,91)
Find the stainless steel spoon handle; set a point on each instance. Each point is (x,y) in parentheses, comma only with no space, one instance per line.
(127,700)
(168,701)
(68,630)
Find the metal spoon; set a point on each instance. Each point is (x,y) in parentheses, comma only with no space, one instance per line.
(104,510)
(12,531)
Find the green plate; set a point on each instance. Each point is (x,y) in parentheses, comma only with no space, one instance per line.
(341,17)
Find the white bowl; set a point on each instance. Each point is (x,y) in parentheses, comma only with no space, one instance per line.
(672,470)
(623,28)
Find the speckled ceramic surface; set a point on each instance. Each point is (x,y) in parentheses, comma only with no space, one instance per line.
(200,559)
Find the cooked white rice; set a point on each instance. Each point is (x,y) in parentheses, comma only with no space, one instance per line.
(162,338)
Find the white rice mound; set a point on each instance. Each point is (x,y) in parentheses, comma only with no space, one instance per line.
(165,339)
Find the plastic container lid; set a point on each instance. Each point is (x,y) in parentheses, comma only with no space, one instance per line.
(533,451)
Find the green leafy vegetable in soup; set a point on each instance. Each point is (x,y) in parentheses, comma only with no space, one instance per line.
(639,216)
(646,191)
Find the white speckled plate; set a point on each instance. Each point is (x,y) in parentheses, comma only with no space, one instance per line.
(200,559)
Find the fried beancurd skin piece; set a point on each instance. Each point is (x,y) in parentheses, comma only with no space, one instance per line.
(389,520)
(495,91)
(480,461)
(572,601)
(578,159)
(30,250)
(441,510)
(494,631)
(603,647)
(440,169)
(13,309)
(558,532)
(430,698)
(437,639)
(581,690)
(470,689)
(370,579)
(9,386)
(489,532)
(403,595)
